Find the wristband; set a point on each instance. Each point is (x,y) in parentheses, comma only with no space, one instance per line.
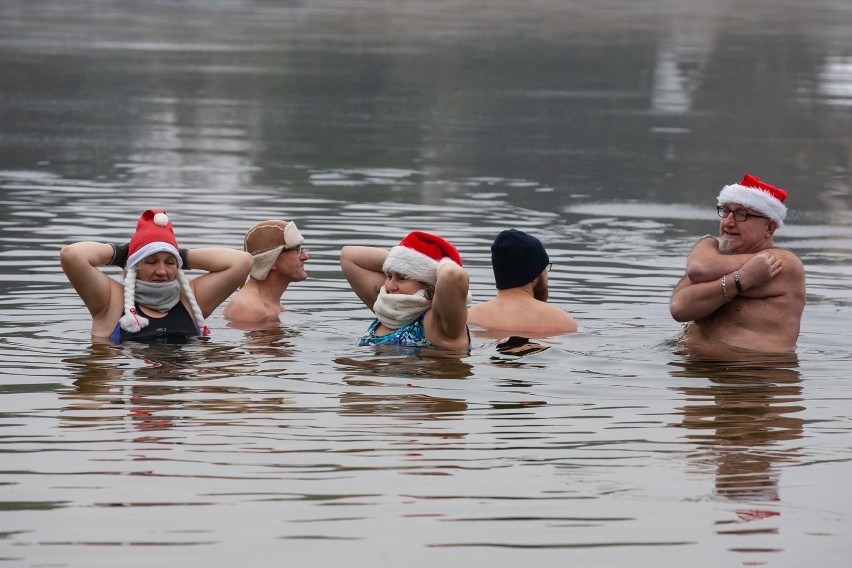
(119,255)
(184,258)
(737,280)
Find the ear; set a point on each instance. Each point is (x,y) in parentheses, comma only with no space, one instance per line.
(770,228)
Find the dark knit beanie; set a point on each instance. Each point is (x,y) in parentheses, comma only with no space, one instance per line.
(517,258)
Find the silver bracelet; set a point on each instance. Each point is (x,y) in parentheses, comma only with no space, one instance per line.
(725,290)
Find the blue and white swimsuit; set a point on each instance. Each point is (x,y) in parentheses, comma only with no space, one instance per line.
(411,335)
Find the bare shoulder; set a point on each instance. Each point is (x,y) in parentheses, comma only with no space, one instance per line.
(476,312)
(561,318)
(791,260)
(245,306)
(785,254)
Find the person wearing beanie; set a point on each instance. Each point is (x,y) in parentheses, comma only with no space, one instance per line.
(740,292)
(155,301)
(418,291)
(278,259)
(520,266)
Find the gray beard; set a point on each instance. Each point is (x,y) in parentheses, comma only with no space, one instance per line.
(160,296)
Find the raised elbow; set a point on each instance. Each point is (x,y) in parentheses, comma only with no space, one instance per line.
(678,310)
(245,261)
(68,254)
(699,273)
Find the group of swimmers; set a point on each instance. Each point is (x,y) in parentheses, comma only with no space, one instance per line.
(739,290)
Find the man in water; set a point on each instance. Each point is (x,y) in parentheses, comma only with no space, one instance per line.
(740,292)
(278,259)
(520,266)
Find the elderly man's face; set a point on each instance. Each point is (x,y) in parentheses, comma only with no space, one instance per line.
(751,235)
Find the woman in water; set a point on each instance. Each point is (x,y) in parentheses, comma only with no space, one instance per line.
(155,302)
(418,291)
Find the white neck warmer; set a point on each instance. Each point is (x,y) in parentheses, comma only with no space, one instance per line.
(398,310)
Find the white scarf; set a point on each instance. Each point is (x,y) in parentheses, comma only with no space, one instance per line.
(160,296)
(398,310)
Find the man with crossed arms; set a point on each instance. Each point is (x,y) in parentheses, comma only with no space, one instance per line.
(740,292)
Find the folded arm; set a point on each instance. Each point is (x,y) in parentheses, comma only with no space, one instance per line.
(697,300)
(362,267)
(448,316)
(705,263)
(761,275)
(226,268)
(80,262)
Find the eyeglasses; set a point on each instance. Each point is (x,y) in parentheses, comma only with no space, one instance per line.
(298,250)
(740,215)
(549,266)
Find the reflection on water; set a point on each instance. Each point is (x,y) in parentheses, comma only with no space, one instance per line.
(606,129)
(411,362)
(740,417)
(145,385)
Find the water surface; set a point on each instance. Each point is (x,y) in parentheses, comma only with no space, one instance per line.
(605,128)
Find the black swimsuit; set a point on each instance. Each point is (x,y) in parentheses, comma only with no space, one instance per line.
(174,327)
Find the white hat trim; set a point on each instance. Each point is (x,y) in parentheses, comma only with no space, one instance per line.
(292,236)
(754,198)
(411,263)
(152,248)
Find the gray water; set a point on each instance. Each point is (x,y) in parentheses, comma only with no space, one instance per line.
(606,128)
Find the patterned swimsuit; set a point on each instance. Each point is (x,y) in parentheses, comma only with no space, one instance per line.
(411,335)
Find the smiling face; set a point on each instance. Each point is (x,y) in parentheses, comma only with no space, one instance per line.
(754,234)
(290,264)
(157,267)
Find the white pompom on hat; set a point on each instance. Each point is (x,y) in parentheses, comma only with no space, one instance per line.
(757,195)
(154,233)
(418,254)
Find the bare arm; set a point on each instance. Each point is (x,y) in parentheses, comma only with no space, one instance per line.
(772,272)
(80,262)
(761,276)
(447,319)
(362,267)
(705,263)
(246,308)
(226,270)
(696,300)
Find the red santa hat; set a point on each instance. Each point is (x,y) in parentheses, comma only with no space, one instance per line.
(418,254)
(757,195)
(154,233)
